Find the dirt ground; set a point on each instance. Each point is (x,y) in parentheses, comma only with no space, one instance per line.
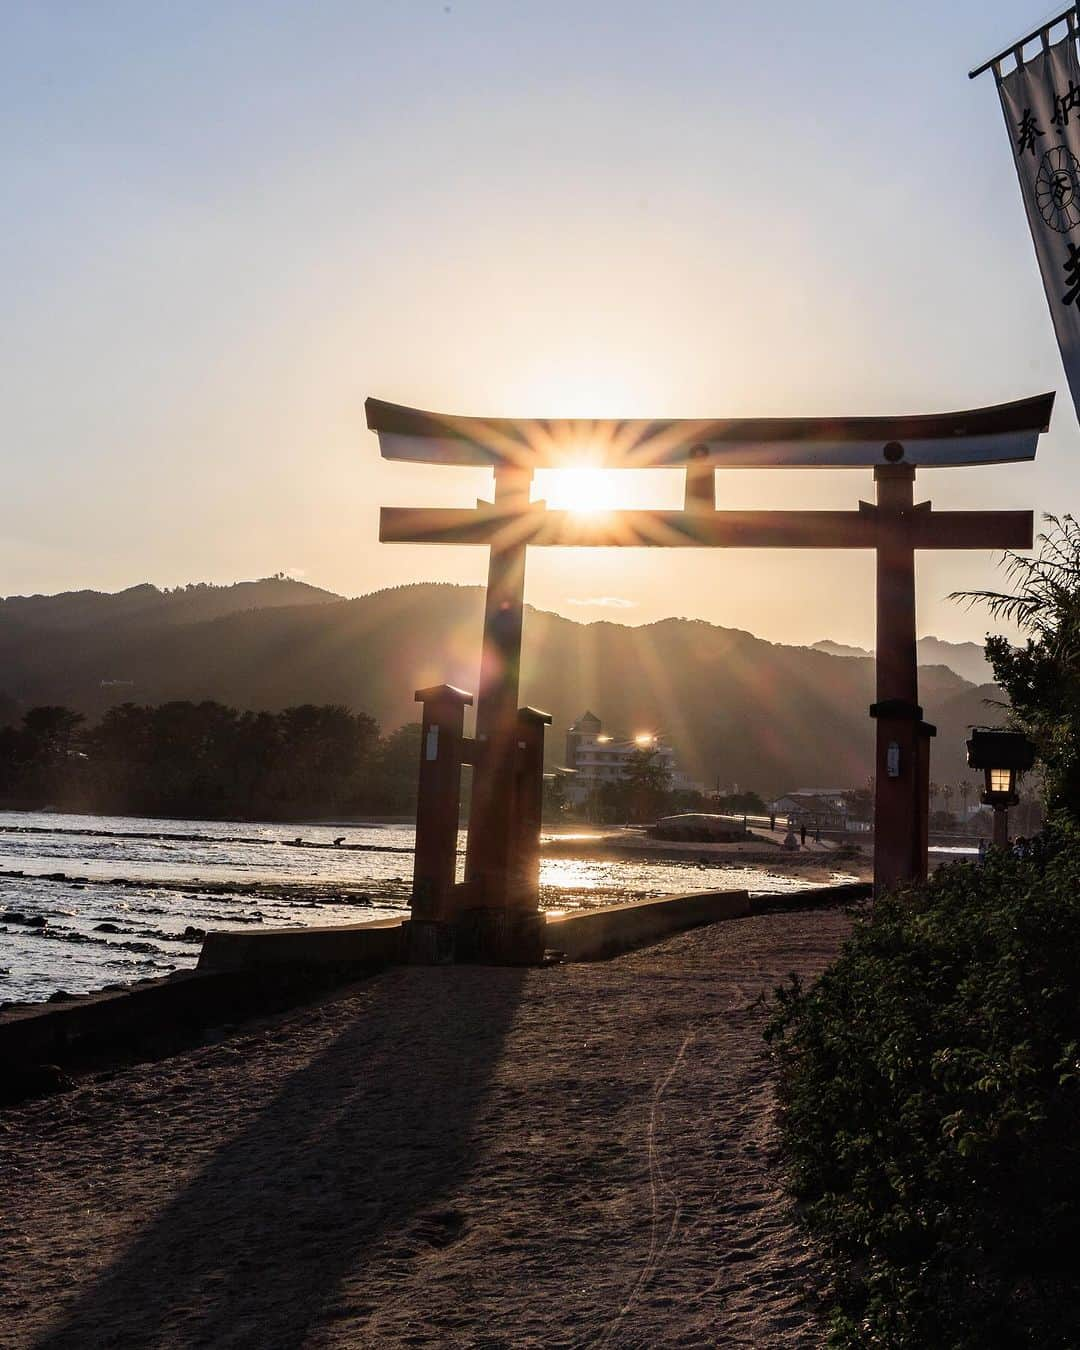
(579,1156)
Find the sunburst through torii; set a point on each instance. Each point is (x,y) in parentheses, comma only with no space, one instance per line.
(894,526)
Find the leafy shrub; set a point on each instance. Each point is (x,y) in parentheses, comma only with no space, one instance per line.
(930,1088)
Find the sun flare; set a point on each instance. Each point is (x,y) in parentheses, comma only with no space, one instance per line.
(585,491)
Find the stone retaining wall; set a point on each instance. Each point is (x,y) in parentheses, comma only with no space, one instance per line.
(374,943)
(597,933)
(243,974)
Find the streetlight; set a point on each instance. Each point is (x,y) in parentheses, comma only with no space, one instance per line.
(1001,755)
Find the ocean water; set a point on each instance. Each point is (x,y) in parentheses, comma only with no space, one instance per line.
(89,902)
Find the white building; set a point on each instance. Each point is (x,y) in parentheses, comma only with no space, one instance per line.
(824,806)
(593,757)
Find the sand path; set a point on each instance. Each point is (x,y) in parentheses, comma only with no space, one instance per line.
(581,1156)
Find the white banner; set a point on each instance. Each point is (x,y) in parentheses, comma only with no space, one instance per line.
(1041,102)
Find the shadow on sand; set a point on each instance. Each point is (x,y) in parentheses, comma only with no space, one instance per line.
(346,1165)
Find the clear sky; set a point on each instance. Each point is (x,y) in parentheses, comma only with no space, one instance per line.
(225,224)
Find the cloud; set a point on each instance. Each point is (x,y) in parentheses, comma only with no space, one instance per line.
(604,602)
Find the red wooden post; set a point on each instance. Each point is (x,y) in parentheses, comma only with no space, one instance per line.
(925,734)
(437,808)
(487,858)
(700,495)
(898,761)
(512,933)
(523,896)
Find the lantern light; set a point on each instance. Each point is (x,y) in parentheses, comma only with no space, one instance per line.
(1001,781)
(1001,755)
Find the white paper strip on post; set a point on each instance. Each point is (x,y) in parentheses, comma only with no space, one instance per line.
(1041,102)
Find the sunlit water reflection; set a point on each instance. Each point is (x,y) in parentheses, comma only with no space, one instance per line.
(125,898)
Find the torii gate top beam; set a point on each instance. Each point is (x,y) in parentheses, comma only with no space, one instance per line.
(996,435)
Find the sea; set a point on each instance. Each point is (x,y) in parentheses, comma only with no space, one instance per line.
(100,902)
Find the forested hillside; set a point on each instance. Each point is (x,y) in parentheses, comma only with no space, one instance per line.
(737,708)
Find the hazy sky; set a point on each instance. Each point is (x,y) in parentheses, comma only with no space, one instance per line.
(226,224)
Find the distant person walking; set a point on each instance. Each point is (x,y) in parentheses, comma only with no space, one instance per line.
(772,820)
(802,834)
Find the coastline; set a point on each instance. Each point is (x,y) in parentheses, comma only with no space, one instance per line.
(632,844)
(95,903)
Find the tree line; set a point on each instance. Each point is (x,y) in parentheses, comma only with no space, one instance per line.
(209,761)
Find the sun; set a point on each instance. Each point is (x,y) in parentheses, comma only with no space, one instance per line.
(585,491)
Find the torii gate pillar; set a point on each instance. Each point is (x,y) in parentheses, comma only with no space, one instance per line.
(487,856)
(902,757)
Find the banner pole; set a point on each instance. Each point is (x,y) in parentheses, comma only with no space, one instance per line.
(1069,14)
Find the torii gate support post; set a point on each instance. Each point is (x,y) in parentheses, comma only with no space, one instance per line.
(926,734)
(902,752)
(491,813)
(512,932)
(523,898)
(442,741)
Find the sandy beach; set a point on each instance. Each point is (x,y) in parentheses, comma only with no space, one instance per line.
(582,1155)
(763,848)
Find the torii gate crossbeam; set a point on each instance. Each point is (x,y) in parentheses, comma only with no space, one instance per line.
(893,526)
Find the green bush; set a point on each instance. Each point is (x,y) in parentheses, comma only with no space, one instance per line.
(930,1090)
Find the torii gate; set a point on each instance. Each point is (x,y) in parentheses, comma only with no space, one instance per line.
(894,526)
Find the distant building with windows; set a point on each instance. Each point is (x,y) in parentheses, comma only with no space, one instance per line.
(828,807)
(594,757)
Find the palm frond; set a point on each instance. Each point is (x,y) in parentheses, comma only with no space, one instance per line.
(1045,600)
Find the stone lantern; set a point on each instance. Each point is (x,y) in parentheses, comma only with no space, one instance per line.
(1002,756)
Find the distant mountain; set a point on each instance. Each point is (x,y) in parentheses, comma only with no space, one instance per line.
(838,649)
(965,658)
(737,708)
(147,604)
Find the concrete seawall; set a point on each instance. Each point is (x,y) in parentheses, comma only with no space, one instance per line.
(580,936)
(593,934)
(816,897)
(243,974)
(153,1018)
(375,943)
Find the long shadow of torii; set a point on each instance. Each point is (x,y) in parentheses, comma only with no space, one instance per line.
(353,1149)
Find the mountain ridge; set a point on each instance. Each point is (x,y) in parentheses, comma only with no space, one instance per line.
(181,604)
(967,659)
(737,707)
(199,600)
